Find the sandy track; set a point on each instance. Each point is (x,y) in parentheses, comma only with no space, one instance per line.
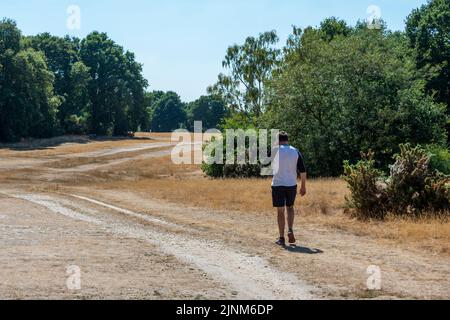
(250,277)
(37,245)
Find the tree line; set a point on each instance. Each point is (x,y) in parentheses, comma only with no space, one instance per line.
(53,85)
(341,89)
(337,89)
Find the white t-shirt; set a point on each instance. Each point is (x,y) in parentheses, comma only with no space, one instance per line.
(288,162)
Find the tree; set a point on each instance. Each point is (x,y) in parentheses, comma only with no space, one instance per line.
(168,113)
(352,94)
(208,109)
(250,65)
(428,30)
(332,27)
(117,87)
(61,55)
(138,117)
(28,105)
(51,85)
(75,113)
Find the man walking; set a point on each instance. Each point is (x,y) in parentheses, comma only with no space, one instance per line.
(288,164)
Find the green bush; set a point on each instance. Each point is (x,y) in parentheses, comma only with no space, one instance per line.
(241,171)
(230,171)
(440,158)
(413,187)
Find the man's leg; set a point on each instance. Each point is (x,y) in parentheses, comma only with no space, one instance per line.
(281,221)
(291,217)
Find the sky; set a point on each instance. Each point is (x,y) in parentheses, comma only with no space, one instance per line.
(182,43)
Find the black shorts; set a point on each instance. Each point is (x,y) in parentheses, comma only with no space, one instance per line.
(284,196)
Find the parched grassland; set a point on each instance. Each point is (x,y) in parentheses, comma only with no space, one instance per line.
(324,204)
(159,178)
(138,175)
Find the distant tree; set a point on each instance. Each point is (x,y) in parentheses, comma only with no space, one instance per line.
(332,27)
(208,109)
(137,114)
(51,85)
(28,105)
(76,109)
(117,87)
(168,113)
(428,30)
(150,100)
(61,55)
(250,65)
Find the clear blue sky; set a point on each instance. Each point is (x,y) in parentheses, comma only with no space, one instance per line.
(182,42)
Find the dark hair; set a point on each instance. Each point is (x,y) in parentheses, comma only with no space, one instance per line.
(283,137)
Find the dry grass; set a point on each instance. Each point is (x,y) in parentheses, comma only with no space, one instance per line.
(135,171)
(323,206)
(250,195)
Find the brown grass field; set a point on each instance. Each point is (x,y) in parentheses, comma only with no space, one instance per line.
(324,205)
(233,209)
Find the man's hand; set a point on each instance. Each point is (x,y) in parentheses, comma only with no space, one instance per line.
(303,191)
(303,188)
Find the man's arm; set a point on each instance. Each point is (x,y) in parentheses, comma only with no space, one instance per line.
(301,169)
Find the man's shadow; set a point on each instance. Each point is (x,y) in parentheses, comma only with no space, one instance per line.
(302,250)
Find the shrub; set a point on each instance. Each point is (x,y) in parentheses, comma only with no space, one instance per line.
(242,171)
(368,191)
(213,170)
(440,158)
(413,187)
(232,170)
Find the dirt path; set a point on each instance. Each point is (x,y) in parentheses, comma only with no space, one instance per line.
(37,245)
(247,276)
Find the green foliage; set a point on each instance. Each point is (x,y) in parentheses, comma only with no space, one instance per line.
(208,109)
(51,85)
(413,187)
(428,31)
(249,65)
(116,88)
(238,120)
(213,170)
(28,106)
(229,171)
(333,27)
(440,158)
(237,171)
(357,92)
(168,113)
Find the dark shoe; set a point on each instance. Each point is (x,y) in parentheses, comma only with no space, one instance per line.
(281,242)
(292,239)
